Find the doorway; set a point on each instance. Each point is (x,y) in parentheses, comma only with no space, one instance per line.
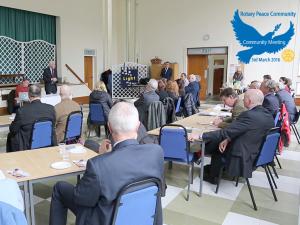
(198,64)
(218,80)
(88,71)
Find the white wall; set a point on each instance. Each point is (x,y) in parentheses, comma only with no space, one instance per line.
(80,28)
(167,28)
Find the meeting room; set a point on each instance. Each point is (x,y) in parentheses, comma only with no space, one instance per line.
(138,112)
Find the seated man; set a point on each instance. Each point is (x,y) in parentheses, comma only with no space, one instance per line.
(285,97)
(62,110)
(255,84)
(270,102)
(21,128)
(149,96)
(231,99)
(22,87)
(194,89)
(92,200)
(239,142)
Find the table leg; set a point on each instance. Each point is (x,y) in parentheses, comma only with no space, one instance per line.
(26,201)
(31,203)
(202,167)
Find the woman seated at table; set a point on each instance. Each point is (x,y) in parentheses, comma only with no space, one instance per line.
(172,90)
(100,95)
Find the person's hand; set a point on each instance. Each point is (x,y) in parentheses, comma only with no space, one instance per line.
(223,145)
(54,79)
(192,137)
(217,121)
(105,146)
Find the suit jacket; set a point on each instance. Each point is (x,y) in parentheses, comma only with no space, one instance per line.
(50,86)
(104,99)
(62,111)
(143,103)
(166,73)
(21,128)
(271,103)
(237,109)
(193,88)
(285,96)
(246,133)
(106,174)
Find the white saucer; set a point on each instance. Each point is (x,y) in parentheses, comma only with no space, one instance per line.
(77,150)
(61,165)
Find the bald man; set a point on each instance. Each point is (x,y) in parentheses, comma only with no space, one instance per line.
(240,142)
(62,110)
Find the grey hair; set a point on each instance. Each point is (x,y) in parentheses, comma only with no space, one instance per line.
(34,91)
(192,77)
(256,96)
(152,85)
(123,117)
(65,92)
(280,85)
(271,85)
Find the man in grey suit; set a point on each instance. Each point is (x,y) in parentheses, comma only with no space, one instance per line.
(92,199)
(149,96)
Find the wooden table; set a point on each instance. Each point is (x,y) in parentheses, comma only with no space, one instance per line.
(37,164)
(198,124)
(5,121)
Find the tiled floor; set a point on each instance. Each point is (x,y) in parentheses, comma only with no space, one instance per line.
(231,206)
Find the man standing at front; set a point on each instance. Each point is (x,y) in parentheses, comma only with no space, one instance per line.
(50,78)
(166,71)
(92,200)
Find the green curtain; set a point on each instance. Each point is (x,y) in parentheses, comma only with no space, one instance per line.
(27,26)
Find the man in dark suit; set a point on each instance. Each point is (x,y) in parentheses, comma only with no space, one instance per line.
(194,89)
(271,102)
(92,200)
(149,96)
(50,78)
(240,142)
(166,71)
(21,128)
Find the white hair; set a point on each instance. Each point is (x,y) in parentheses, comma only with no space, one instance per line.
(65,92)
(152,84)
(256,96)
(123,117)
(280,85)
(192,78)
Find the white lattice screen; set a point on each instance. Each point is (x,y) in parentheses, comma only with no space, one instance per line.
(29,58)
(130,92)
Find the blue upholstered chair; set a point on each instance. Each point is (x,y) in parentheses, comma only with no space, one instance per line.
(42,134)
(97,117)
(173,140)
(73,126)
(137,203)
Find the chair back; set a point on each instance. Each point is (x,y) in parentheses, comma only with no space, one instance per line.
(137,203)
(173,140)
(177,109)
(276,118)
(73,126)
(268,149)
(97,115)
(41,135)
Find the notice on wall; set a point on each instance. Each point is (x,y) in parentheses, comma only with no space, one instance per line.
(269,45)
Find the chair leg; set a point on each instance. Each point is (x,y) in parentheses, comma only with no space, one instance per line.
(219,179)
(275,185)
(189,184)
(251,194)
(278,162)
(296,132)
(274,170)
(78,178)
(237,181)
(270,183)
(192,173)
(170,163)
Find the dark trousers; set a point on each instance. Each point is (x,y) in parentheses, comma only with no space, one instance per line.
(212,148)
(62,200)
(50,88)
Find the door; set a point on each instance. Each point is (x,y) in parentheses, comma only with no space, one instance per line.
(218,80)
(198,64)
(88,71)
